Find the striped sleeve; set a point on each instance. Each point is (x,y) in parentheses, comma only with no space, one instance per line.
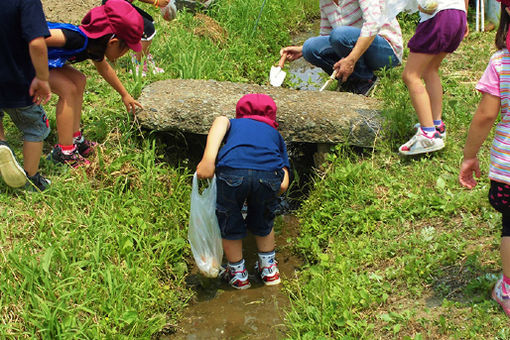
(326,27)
(371,12)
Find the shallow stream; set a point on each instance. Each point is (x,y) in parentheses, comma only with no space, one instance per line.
(221,312)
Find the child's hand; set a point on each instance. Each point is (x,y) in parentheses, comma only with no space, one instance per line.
(40,91)
(467,168)
(205,169)
(131,103)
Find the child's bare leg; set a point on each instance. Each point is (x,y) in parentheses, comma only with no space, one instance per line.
(145,50)
(505,255)
(2,133)
(233,250)
(265,243)
(433,85)
(413,73)
(69,84)
(32,152)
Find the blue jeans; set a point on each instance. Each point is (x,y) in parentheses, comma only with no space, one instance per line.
(325,51)
(256,187)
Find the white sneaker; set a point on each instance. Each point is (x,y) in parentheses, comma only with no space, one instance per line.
(421,143)
(12,173)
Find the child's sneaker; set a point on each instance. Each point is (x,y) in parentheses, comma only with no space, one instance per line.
(150,64)
(12,173)
(236,279)
(500,297)
(74,160)
(439,128)
(269,274)
(37,183)
(85,147)
(421,143)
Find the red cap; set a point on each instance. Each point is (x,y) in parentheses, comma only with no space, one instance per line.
(504,2)
(259,107)
(115,17)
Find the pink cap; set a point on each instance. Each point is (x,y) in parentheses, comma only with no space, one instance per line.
(115,17)
(504,2)
(259,107)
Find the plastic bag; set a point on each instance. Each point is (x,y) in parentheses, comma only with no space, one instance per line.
(394,7)
(169,12)
(204,233)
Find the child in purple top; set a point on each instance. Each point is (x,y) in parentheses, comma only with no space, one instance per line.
(439,32)
(252,167)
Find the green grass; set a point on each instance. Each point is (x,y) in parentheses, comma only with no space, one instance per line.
(393,247)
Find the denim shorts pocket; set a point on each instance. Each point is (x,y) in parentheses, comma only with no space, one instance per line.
(272,183)
(230,180)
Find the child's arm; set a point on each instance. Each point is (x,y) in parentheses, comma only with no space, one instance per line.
(40,87)
(108,73)
(482,122)
(285,183)
(56,38)
(206,167)
(160,3)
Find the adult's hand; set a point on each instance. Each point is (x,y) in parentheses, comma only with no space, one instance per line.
(344,68)
(293,52)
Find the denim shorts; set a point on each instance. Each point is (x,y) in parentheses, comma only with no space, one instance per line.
(31,120)
(259,189)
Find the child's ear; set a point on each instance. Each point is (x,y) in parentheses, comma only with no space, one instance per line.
(113,41)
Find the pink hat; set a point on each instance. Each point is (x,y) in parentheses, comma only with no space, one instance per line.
(257,106)
(504,2)
(115,17)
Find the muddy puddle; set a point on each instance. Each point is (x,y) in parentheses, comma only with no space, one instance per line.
(303,75)
(220,312)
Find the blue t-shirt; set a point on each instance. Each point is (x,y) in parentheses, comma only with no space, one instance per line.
(21,21)
(250,144)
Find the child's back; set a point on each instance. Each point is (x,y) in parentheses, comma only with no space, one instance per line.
(252,168)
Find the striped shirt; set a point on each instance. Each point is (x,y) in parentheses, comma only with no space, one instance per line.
(498,71)
(364,14)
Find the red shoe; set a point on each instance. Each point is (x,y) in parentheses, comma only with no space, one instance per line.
(270,275)
(238,280)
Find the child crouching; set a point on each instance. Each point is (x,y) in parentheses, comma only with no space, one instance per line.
(252,166)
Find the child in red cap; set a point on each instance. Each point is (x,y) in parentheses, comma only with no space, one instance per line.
(253,167)
(109,30)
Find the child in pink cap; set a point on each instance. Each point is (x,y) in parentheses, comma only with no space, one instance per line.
(106,31)
(495,88)
(253,167)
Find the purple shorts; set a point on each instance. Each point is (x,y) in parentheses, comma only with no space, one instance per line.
(442,33)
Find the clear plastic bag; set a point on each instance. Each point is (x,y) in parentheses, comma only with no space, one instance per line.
(169,12)
(204,233)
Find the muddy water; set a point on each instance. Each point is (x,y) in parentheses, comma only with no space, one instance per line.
(221,312)
(301,74)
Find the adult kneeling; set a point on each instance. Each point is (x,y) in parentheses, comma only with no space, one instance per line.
(353,42)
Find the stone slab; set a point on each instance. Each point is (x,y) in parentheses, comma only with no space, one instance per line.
(304,116)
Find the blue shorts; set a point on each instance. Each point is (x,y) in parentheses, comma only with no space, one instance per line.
(259,189)
(31,120)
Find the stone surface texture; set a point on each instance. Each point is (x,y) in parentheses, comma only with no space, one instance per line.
(304,116)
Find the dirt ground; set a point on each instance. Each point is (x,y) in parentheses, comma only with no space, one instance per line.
(70,11)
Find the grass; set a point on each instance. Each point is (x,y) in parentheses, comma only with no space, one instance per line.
(393,247)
